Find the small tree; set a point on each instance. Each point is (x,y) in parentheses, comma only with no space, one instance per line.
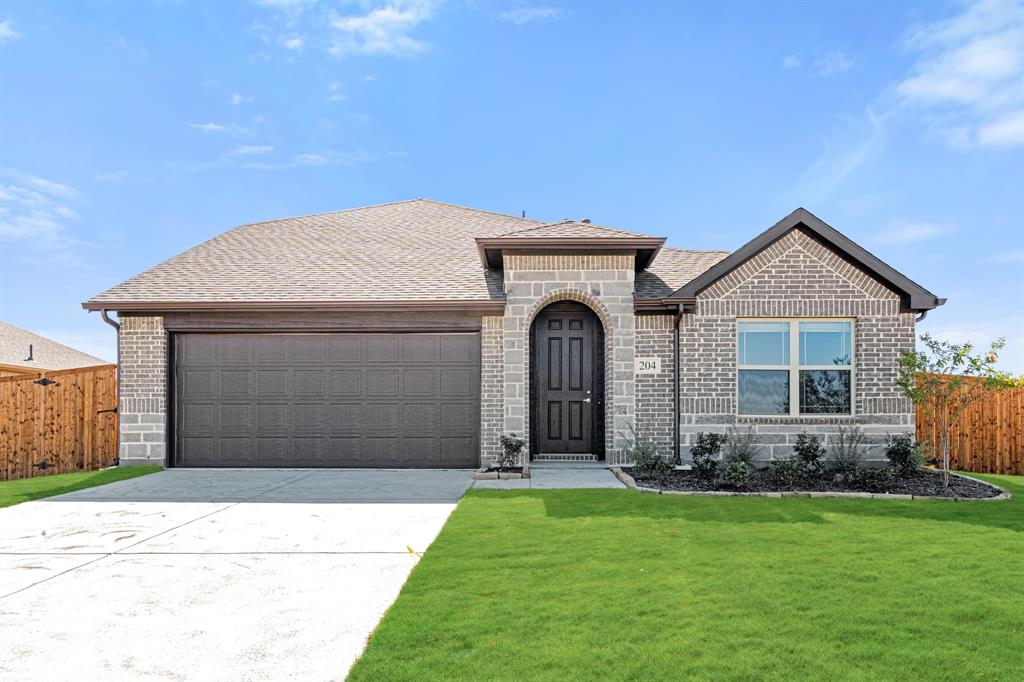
(946,380)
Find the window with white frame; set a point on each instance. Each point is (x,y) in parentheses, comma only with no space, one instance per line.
(794,367)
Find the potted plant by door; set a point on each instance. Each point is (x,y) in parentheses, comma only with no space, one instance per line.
(506,463)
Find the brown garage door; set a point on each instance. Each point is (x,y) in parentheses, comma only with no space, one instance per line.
(327,400)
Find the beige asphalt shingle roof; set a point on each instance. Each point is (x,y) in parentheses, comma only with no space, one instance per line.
(572,228)
(46,353)
(404,251)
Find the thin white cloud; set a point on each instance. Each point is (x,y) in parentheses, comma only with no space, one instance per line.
(1015,256)
(368,78)
(1005,132)
(831,64)
(857,142)
(900,233)
(292,41)
(34,212)
(385,30)
(209,127)
(335,92)
(251,149)
(534,14)
(238,98)
(7,31)
(111,177)
(230,128)
(791,61)
(50,187)
(968,79)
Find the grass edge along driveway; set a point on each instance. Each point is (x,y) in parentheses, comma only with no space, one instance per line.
(38,487)
(605,584)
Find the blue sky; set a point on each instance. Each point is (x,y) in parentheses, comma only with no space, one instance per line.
(131,132)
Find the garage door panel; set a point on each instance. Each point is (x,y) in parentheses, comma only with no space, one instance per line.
(382,382)
(419,383)
(382,348)
(272,400)
(309,382)
(346,382)
(271,382)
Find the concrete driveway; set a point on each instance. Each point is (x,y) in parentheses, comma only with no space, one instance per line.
(212,574)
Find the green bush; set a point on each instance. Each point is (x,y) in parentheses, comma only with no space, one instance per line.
(903,454)
(736,474)
(846,449)
(511,446)
(741,446)
(873,480)
(646,460)
(809,452)
(789,471)
(705,454)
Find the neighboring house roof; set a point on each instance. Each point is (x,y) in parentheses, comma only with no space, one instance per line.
(46,353)
(915,297)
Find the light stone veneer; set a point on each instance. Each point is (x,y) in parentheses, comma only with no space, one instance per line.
(142,407)
(794,277)
(603,282)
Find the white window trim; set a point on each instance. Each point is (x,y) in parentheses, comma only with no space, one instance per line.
(794,366)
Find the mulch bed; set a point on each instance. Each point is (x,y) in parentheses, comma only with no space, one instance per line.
(920,483)
(505,470)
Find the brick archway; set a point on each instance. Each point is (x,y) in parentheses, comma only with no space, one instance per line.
(608,327)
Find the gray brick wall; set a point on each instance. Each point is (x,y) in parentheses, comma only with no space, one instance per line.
(654,392)
(794,277)
(143,390)
(604,282)
(492,396)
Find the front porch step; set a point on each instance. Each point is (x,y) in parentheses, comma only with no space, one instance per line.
(564,458)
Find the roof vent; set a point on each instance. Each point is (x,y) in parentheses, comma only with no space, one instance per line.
(585,221)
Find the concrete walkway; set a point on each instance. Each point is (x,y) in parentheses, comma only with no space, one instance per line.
(550,475)
(212,574)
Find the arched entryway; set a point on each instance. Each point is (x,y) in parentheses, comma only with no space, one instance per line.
(567,381)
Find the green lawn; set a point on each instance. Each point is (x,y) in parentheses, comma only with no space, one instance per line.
(616,585)
(23,490)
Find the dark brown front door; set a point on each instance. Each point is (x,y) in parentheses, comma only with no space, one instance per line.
(564,346)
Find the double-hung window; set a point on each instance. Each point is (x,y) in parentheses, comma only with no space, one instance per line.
(794,367)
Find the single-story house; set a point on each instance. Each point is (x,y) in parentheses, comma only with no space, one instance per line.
(414,334)
(24,353)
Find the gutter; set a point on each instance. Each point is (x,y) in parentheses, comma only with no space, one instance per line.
(675,387)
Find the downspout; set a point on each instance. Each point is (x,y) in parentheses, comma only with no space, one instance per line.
(921,315)
(675,386)
(117,376)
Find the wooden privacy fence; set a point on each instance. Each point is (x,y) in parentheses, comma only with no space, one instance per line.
(987,439)
(57,422)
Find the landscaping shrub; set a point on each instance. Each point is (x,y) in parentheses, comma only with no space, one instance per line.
(736,474)
(787,472)
(511,446)
(809,452)
(846,449)
(646,460)
(705,453)
(872,480)
(741,446)
(903,454)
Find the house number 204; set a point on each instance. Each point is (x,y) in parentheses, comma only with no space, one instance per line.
(647,366)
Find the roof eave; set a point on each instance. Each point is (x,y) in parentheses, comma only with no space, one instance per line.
(482,305)
(915,297)
(492,248)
